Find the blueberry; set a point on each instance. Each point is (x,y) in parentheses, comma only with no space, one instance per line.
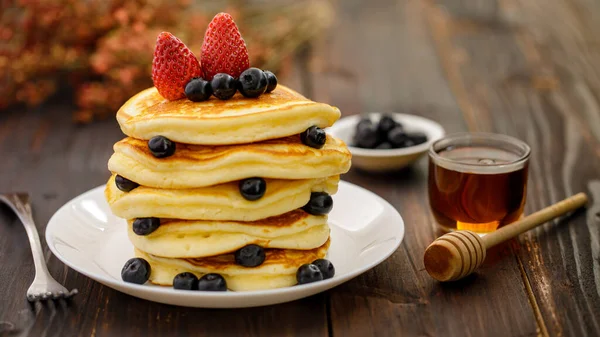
(125,184)
(326,268)
(212,282)
(161,147)
(320,203)
(417,137)
(223,86)
(271,81)
(252,82)
(386,123)
(308,273)
(397,137)
(185,281)
(198,90)
(384,146)
(314,137)
(364,122)
(145,226)
(366,136)
(407,143)
(250,256)
(253,188)
(136,271)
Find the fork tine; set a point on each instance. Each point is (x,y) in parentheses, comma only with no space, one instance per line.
(45,296)
(58,295)
(32,297)
(72,293)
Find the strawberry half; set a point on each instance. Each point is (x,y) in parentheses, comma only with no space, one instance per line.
(223,49)
(173,66)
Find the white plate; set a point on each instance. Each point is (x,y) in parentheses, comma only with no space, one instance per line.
(86,236)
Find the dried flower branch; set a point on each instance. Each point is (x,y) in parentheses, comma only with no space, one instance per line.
(102,49)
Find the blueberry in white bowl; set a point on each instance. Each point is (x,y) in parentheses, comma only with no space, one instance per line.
(385,133)
(381,142)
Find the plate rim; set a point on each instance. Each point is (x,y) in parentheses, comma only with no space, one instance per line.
(167,291)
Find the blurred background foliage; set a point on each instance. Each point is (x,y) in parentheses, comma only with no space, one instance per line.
(100,51)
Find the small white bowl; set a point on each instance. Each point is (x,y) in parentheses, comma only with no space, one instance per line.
(391,159)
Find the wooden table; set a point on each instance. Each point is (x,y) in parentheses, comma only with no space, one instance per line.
(527,68)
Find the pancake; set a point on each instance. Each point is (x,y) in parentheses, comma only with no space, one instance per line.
(195,238)
(239,120)
(205,165)
(278,270)
(218,202)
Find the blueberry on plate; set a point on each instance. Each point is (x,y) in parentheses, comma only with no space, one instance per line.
(386,123)
(161,146)
(397,137)
(198,90)
(252,82)
(326,268)
(185,281)
(125,184)
(417,137)
(308,273)
(250,256)
(314,137)
(253,188)
(271,81)
(366,136)
(136,270)
(145,226)
(223,86)
(212,282)
(320,203)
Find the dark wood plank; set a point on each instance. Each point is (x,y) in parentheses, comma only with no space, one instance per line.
(531,70)
(46,155)
(388,63)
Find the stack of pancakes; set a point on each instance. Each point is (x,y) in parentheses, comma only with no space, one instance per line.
(195,192)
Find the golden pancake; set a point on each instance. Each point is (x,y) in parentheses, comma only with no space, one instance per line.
(239,120)
(205,165)
(197,238)
(278,270)
(217,202)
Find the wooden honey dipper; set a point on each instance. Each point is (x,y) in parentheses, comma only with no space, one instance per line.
(457,254)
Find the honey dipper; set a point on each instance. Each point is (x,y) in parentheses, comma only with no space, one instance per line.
(456,255)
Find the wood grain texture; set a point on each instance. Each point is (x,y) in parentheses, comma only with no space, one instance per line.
(531,69)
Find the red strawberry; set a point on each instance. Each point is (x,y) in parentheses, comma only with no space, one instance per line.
(173,66)
(223,49)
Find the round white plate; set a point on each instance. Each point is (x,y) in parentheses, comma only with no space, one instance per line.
(86,236)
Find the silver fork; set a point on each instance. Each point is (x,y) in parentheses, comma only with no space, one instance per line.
(44,287)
